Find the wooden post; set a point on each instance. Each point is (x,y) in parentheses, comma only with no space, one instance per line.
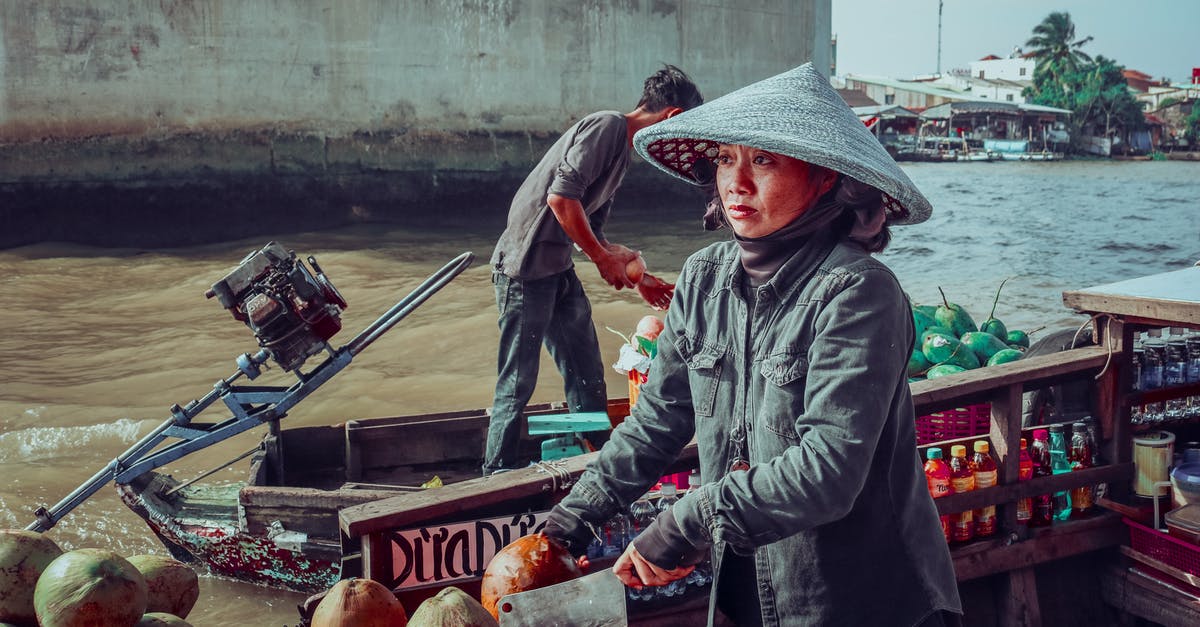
(1017,600)
(1005,434)
(353,458)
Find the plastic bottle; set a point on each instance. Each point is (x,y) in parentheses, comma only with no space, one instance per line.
(641,514)
(1080,456)
(937,475)
(962,524)
(1059,465)
(1042,512)
(669,496)
(984,469)
(1024,473)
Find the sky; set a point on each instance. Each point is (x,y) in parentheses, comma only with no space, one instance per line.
(899,38)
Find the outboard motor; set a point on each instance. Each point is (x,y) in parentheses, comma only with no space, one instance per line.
(291,309)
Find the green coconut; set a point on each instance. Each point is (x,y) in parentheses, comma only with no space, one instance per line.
(89,587)
(172,586)
(451,608)
(161,619)
(23,557)
(942,370)
(1005,356)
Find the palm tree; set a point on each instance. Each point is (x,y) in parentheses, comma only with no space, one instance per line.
(1054,47)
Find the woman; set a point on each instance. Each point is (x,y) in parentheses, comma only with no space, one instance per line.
(784,355)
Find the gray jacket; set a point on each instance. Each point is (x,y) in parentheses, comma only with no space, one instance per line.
(835,508)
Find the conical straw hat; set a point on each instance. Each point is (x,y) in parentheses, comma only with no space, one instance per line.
(796,113)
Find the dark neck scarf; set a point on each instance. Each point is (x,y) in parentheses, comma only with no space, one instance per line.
(762,256)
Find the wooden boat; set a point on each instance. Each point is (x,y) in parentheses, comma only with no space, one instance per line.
(340,501)
(279,528)
(316,496)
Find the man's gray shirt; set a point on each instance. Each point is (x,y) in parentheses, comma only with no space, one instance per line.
(587,164)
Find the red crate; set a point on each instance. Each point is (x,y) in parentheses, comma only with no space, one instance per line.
(954,423)
(1164,548)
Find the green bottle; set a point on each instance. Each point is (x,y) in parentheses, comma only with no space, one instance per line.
(1059,463)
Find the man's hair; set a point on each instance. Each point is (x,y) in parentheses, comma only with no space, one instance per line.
(669,87)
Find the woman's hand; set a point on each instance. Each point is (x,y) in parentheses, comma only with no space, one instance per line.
(636,572)
(656,292)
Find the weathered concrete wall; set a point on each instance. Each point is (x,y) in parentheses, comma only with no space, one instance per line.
(196,119)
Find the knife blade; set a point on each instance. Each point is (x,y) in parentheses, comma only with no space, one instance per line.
(595,600)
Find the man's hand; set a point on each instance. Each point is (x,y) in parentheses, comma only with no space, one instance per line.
(611,264)
(635,571)
(656,292)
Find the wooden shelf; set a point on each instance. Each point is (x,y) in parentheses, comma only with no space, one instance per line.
(1064,539)
(1009,493)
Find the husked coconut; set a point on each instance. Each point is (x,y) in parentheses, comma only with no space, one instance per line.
(451,608)
(358,602)
(161,619)
(530,562)
(88,587)
(172,586)
(23,557)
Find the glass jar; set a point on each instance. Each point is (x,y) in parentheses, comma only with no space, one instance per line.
(1193,372)
(1137,413)
(1152,375)
(1175,366)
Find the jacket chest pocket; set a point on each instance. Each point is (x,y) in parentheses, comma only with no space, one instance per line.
(783,398)
(704,361)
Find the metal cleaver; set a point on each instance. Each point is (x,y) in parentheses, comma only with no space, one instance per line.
(595,600)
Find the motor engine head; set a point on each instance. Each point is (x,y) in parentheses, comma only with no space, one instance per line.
(293,310)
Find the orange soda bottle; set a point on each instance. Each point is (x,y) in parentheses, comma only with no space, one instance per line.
(984,469)
(1024,473)
(962,524)
(1080,456)
(937,474)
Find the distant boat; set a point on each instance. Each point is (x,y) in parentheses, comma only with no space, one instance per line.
(940,149)
(1019,150)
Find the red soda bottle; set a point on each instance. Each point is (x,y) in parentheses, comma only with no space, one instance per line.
(962,524)
(984,469)
(937,474)
(1080,456)
(1024,473)
(1043,504)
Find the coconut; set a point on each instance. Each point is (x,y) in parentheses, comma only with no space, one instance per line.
(23,557)
(358,602)
(88,587)
(527,563)
(649,327)
(451,608)
(171,585)
(161,619)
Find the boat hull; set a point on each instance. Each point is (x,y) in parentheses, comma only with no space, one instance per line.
(279,528)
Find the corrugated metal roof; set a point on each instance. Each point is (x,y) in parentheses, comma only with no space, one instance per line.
(895,111)
(945,110)
(856,98)
(920,88)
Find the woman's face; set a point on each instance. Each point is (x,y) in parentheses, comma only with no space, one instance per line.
(763,191)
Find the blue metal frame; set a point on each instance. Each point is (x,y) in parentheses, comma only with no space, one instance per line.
(250,406)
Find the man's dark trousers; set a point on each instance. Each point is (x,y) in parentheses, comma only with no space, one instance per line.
(554,311)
